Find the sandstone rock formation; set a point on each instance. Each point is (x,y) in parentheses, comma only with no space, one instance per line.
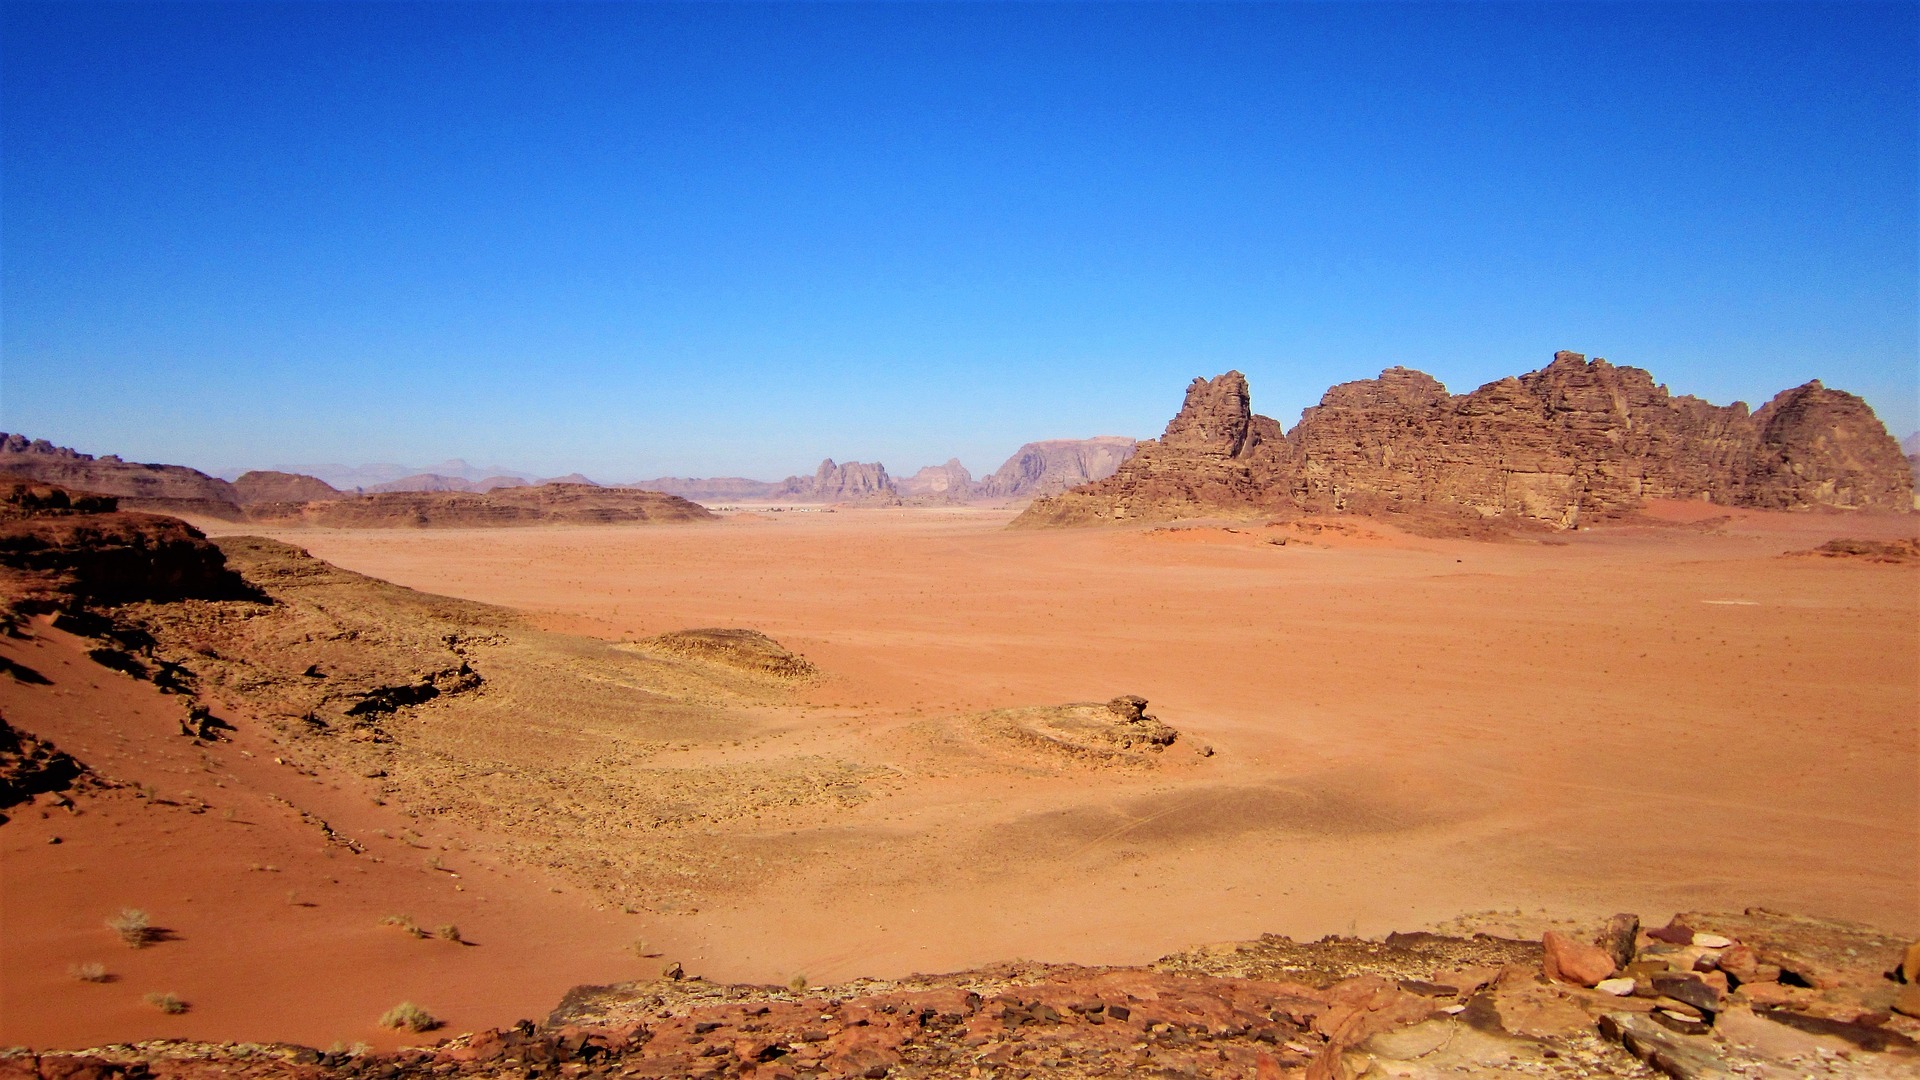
(855,481)
(939,483)
(542,504)
(58,548)
(1216,456)
(168,488)
(712,488)
(1575,439)
(1055,465)
(266,486)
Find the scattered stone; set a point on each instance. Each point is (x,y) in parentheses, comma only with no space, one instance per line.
(1570,961)
(1711,941)
(1616,987)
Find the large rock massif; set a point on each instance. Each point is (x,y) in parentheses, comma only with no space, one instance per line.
(855,481)
(1052,466)
(1576,439)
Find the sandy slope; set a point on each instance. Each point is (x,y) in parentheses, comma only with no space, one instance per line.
(1652,717)
(273,930)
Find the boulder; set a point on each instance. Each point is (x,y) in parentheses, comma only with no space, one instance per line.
(1569,961)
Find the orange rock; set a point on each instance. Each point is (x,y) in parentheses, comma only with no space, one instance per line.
(1575,962)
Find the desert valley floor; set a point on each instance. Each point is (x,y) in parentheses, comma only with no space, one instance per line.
(1377,731)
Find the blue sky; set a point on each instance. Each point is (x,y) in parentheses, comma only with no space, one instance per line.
(718,239)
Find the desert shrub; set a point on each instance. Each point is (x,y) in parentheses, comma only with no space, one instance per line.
(449,932)
(404,922)
(134,927)
(797,984)
(167,1003)
(409,1016)
(93,973)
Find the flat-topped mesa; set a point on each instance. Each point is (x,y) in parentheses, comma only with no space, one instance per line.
(1575,439)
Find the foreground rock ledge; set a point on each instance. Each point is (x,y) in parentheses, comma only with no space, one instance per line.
(1777,996)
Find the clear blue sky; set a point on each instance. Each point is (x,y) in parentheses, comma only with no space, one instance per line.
(715,239)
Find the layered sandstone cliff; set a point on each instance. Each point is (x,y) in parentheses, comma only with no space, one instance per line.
(1575,439)
(541,504)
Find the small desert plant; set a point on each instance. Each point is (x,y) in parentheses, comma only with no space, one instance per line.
(797,984)
(167,1003)
(410,1016)
(404,922)
(93,973)
(449,932)
(133,926)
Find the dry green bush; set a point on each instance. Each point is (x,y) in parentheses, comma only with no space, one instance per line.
(167,1003)
(94,972)
(409,1016)
(134,927)
(449,932)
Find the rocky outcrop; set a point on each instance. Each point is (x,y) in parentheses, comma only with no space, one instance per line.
(711,489)
(58,548)
(165,488)
(31,766)
(939,483)
(855,481)
(1216,457)
(1052,466)
(543,504)
(267,486)
(1821,447)
(1574,440)
(1420,1006)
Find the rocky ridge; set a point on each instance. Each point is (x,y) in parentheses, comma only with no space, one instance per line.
(1052,466)
(267,486)
(854,481)
(1759,995)
(1575,440)
(169,488)
(543,504)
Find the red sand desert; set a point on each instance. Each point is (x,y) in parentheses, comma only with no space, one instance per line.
(1657,715)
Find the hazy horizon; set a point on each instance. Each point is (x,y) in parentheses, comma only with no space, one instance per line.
(696,240)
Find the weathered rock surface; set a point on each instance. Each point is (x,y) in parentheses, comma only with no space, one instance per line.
(59,547)
(939,483)
(1216,458)
(855,481)
(266,486)
(542,504)
(1052,466)
(31,766)
(1414,1005)
(744,650)
(165,488)
(1575,439)
(711,489)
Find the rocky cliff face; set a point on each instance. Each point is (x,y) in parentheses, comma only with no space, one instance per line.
(171,488)
(855,481)
(266,486)
(1216,456)
(1577,438)
(1055,465)
(59,547)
